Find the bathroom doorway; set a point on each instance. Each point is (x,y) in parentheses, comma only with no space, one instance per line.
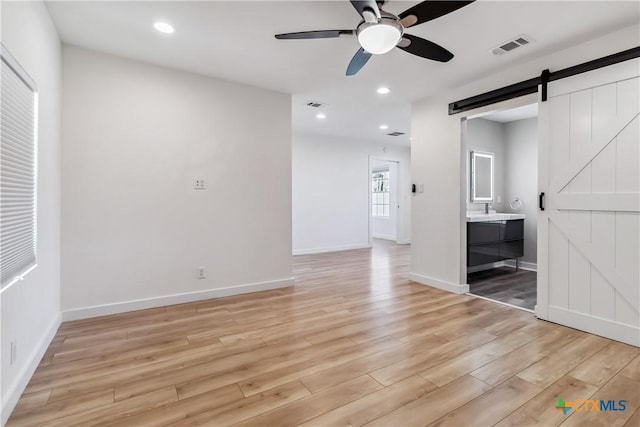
(501,205)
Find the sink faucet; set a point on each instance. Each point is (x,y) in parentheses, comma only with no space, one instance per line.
(486,208)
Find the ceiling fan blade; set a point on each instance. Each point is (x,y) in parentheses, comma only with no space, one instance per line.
(357,62)
(364,5)
(424,48)
(322,34)
(428,10)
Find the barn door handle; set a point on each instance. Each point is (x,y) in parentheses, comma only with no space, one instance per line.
(541,201)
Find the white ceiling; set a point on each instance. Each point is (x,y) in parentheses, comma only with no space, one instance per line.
(234,40)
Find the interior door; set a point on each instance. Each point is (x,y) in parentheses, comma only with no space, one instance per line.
(589,230)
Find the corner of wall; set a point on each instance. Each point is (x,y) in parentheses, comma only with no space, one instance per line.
(439,284)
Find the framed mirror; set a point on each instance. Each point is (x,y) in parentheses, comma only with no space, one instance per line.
(481,173)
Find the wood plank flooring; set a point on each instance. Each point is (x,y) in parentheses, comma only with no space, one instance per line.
(507,285)
(354,343)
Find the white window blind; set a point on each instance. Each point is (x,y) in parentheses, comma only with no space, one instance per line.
(18,137)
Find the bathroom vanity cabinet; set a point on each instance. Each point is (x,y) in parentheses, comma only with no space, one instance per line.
(492,241)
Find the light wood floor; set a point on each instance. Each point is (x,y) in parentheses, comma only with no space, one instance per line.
(353,343)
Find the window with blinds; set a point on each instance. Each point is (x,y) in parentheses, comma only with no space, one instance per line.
(18,146)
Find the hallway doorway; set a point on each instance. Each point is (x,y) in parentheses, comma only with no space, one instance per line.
(383,206)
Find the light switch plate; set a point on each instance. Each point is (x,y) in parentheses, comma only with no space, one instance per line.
(198,184)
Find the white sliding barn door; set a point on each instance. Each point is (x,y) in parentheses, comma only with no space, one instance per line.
(589,232)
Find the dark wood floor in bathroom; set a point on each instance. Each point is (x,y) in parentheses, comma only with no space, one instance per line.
(505,284)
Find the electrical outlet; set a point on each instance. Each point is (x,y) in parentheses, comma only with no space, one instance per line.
(198,184)
(14,352)
(201,273)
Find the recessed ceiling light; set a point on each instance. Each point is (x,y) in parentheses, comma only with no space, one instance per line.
(321,116)
(384,127)
(383,90)
(163,27)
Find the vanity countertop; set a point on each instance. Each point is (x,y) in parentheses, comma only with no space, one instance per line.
(483,217)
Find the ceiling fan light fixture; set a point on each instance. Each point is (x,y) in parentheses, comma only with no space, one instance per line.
(381,37)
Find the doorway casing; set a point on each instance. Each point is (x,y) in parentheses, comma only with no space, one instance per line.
(464,184)
(399,227)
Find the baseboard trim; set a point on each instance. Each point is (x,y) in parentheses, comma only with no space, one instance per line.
(383,236)
(403,242)
(595,325)
(439,284)
(484,267)
(141,304)
(524,265)
(331,249)
(15,390)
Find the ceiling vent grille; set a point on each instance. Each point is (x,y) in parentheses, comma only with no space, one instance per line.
(395,133)
(512,44)
(315,104)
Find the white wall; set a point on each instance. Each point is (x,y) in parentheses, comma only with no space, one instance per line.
(436,159)
(331,192)
(521,178)
(30,309)
(135,232)
(486,135)
(386,227)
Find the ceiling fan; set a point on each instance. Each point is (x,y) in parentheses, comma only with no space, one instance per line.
(380,31)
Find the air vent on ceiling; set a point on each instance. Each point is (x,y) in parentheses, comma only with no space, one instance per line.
(512,44)
(395,133)
(315,104)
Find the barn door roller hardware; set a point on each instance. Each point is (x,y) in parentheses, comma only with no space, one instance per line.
(529,86)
